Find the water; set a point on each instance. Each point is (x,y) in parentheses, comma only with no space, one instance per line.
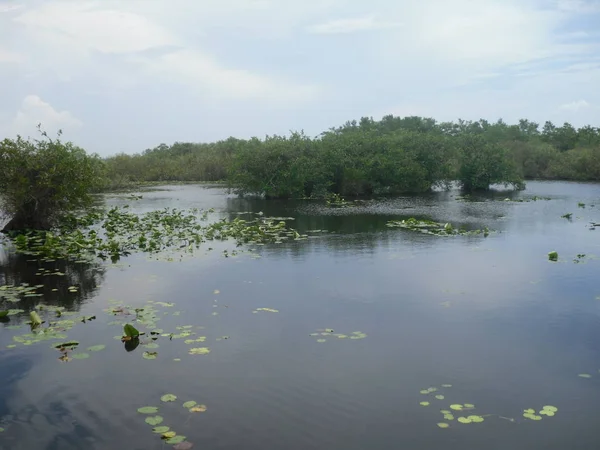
(491,316)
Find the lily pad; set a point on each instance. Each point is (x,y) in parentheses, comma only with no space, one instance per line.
(448,417)
(186,445)
(443,425)
(189,404)
(476,419)
(96,348)
(321,340)
(169,434)
(80,356)
(440,397)
(424,403)
(149,355)
(148,410)
(469,405)
(464,420)
(199,351)
(446,385)
(584,375)
(160,430)
(550,408)
(199,408)
(176,440)
(168,398)
(154,420)
(456,407)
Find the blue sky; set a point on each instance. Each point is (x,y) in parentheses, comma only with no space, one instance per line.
(123,76)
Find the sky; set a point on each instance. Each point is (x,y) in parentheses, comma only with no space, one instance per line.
(124,76)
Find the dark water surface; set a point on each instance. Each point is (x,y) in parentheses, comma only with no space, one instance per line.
(508,329)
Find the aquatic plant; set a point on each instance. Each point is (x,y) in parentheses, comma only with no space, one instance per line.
(436,228)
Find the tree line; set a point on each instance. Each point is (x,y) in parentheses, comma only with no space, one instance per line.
(42,179)
(392,155)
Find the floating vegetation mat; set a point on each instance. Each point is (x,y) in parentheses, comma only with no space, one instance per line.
(467,413)
(118,232)
(436,228)
(322,334)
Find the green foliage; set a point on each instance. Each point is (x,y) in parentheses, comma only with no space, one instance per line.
(482,164)
(42,180)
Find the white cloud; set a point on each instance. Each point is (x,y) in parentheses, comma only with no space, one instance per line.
(6,56)
(79,29)
(33,111)
(575,106)
(338,26)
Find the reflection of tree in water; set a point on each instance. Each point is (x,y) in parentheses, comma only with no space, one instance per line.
(16,269)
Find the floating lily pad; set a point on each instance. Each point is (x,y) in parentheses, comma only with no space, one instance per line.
(464,420)
(149,355)
(169,434)
(96,348)
(446,385)
(80,356)
(168,398)
(448,417)
(529,411)
(584,375)
(189,404)
(154,420)
(160,430)
(199,351)
(148,410)
(321,340)
(176,440)
(424,403)
(424,391)
(199,408)
(469,405)
(443,425)
(456,407)
(476,419)
(440,397)
(550,408)
(186,445)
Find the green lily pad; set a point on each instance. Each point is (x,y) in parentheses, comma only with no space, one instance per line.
(96,348)
(446,385)
(469,405)
(476,419)
(424,391)
(1,430)
(584,375)
(154,420)
(160,430)
(440,397)
(550,408)
(464,420)
(199,351)
(80,356)
(443,425)
(321,340)
(448,417)
(456,407)
(149,355)
(148,410)
(176,440)
(424,403)
(529,411)
(168,398)
(189,404)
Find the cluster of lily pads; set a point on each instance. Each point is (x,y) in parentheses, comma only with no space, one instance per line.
(436,228)
(458,410)
(166,433)
(322,333)
(118,232)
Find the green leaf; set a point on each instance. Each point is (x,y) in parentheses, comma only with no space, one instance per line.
(550,408)
(3,313)
(443,425)
(584,375)
(189,404)
(149,355)
(469,405)
(148,410)
(80,356)
(456,407)
(464,420)
(35,318)
(154,420)
(176,440)
(168,398)
(130,331)
(424,403)
(96,348)
(440,397)
(160,430)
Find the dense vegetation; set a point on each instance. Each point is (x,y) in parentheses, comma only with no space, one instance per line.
(393,155)
(42,180)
